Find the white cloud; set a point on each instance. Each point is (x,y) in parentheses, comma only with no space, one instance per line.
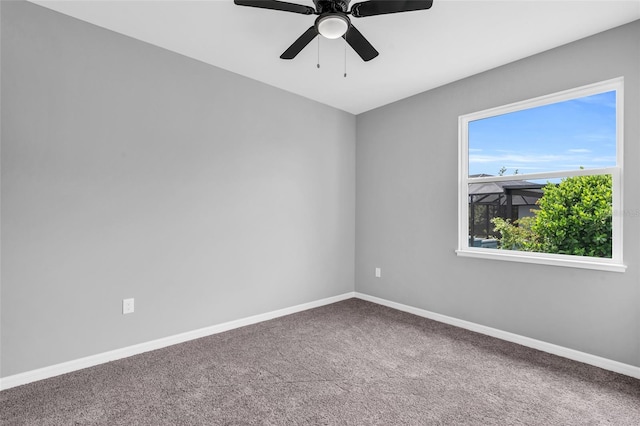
(516,158)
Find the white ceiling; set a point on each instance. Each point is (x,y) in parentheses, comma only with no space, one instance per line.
(418,50)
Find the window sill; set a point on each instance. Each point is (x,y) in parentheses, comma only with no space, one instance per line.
(544,259)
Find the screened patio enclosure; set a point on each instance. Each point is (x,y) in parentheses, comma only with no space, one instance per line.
(508,200)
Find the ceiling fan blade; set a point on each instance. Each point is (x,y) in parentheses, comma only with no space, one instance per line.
(300,43)
(360,44)
(383,7)
(277,5)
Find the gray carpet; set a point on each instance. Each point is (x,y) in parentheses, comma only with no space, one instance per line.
(349,363)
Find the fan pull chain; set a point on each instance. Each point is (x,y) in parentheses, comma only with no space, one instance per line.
(345,57)
(318,65)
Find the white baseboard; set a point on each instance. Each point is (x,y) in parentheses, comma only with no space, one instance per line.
(604,363)
(93,360)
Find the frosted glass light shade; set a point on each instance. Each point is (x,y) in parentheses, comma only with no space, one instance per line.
(333,26)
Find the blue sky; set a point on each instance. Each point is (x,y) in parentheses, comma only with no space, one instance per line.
(562,136)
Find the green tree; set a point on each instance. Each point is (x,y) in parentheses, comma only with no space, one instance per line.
(517,235)
(574,217)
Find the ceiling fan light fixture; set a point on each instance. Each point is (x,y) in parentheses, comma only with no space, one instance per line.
(333,25)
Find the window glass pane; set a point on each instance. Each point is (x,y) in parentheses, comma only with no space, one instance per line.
(568,135)
(571,217)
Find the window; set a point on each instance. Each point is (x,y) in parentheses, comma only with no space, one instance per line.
(541,180)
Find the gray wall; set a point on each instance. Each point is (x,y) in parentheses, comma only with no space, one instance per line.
(406,209)
(130,171)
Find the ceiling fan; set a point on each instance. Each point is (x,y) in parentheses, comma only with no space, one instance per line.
(333,21)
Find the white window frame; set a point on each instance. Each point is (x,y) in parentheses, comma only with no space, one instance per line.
(615,263)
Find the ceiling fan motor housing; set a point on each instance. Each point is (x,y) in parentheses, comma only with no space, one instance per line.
(326,6)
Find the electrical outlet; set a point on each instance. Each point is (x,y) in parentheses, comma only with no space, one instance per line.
(127,306)
(378,272)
